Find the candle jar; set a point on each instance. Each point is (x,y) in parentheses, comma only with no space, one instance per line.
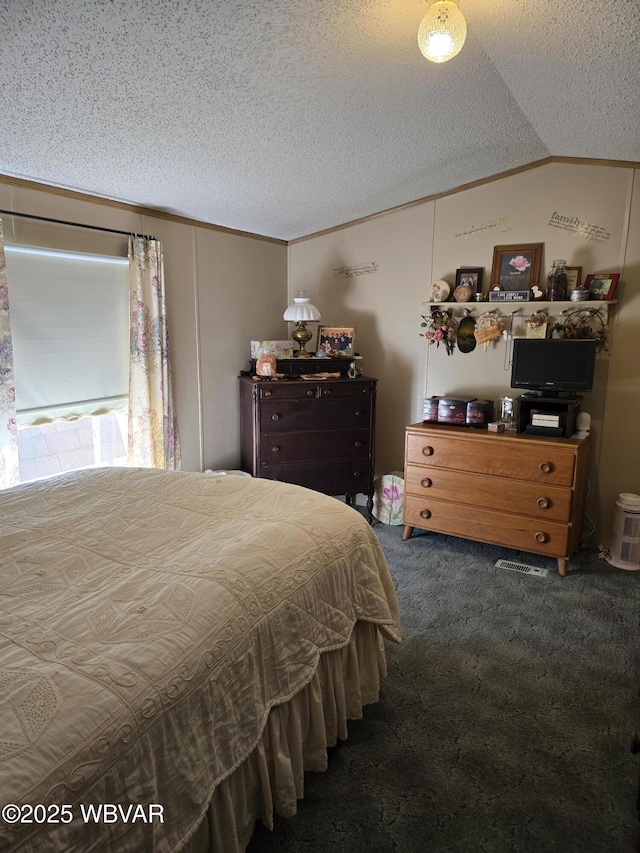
(557,282)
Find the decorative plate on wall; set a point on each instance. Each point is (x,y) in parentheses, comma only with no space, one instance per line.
(440,291)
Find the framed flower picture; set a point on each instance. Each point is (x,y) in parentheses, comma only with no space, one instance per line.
(516,267)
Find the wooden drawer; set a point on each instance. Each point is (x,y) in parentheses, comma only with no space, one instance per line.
(494,455)
(346,388)
(484,525)
(335,477)
(288,390)
(478,490)
(281,447)
(290,416)
(309,388)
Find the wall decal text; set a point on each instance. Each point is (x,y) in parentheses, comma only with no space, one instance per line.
(501,224)
(578,228)
(353,272)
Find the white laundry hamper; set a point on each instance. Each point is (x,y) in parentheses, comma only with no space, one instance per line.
(388,498)
(624,552)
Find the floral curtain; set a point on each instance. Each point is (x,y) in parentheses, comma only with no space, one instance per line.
(9,469)
(153,433)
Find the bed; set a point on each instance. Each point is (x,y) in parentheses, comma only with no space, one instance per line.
(175,650)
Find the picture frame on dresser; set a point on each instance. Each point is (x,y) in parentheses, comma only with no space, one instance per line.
(337,341)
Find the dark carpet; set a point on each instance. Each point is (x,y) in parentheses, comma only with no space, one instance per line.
(505,722)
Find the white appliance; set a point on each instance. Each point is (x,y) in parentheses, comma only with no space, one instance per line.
(624,552)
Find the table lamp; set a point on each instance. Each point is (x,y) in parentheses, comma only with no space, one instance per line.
(301,312)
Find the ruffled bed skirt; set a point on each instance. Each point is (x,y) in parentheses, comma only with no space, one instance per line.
(295,739)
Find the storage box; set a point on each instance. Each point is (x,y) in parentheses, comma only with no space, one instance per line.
(430,410)
(281,349)
(479,413)
(453,411)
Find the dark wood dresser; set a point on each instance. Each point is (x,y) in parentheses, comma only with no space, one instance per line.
(314,433)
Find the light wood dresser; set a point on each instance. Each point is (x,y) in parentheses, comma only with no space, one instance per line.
(513,489)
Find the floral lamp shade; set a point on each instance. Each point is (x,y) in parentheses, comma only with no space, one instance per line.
(388,498)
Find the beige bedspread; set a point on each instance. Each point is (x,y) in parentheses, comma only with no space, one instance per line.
(148,623)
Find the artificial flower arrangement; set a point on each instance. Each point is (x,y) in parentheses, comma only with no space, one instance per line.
(580,324)
(440,328)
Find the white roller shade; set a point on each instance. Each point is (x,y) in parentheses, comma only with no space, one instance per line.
(70,331)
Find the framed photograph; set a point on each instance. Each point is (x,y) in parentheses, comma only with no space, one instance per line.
(516,267)
(472,277)
(336,341)
(602,285)
(574,274)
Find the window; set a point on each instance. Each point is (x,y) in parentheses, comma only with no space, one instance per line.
(70,330)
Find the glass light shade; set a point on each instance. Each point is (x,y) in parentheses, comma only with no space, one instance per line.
(301,311)
(442,32)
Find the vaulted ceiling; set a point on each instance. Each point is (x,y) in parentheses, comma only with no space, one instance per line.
(286,117)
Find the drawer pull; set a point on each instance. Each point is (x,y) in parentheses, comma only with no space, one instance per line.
(275,449)
(425,513)
(358,414)
(542,537)
(326,391)
(546,467)
(357,444)
(275,417)
(426,483)
(309,393)
(544,503)
(267,393)
(356,473)
(427,450)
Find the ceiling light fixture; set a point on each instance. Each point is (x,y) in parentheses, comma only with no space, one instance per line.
(442,31)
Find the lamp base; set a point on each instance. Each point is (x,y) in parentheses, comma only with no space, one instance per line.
(301,335)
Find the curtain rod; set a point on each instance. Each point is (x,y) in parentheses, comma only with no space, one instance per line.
(75,224)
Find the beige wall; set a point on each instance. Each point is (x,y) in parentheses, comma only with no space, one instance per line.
(222,290)
(416,245)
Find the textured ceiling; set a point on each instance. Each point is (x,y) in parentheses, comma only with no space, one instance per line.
(286,117)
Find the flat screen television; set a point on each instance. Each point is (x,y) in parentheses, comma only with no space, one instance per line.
(556,366)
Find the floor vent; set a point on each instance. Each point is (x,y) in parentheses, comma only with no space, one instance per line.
(521,568)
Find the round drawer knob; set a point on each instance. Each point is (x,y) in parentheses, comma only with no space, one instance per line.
(426,483)
(425,513)
(544,503)
(275,417)
(309,393)
(357,444)
(546,467)
(427,450)
(356,473)
(541,537)
(358,414)
(275,449)
(267,393)
(326,392)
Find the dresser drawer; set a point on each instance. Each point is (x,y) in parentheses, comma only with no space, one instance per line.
(280,447)
(478,490)
(335,477)
(346,388)
(288,390)
(494,455)
(484,525)
(290,416)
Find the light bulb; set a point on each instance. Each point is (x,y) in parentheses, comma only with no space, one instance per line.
(442,32)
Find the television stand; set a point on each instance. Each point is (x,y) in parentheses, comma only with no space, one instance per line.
(550,416)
